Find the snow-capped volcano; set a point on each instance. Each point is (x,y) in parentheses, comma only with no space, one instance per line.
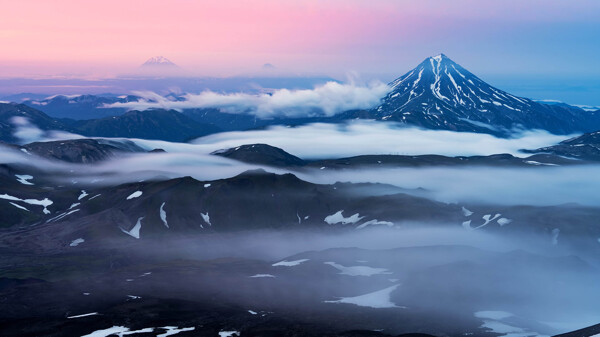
(159,61)
(445,84)
(440,93)
(160,66)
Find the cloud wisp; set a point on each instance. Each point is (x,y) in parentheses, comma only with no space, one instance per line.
(325,100)
(27,132)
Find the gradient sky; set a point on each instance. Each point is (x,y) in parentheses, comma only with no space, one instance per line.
(376,38)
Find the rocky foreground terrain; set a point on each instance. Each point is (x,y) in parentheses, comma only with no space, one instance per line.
(270,254)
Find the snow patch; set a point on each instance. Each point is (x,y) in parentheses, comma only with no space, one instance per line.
(163,215)
(339,218)
(118,331)
(467,224)
(22,178)
(489,219)
(44,202)
(76,242)
(375,222)
(537,163)
(206,218)
(173,330)
(135,231)
(358,270)
(376,299)
(261,275)
(18,206)
(62,215)
(84,315)
(289,263)
(228,333)
(466,212)
(82,195)
(135,194)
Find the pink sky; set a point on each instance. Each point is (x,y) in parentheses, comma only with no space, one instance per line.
(224,37)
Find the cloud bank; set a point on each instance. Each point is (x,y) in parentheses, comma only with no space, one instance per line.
(478,185)
(533,186)
(325,100)
(319,140)
(539,186)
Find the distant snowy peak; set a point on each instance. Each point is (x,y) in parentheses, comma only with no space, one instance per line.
(158,61)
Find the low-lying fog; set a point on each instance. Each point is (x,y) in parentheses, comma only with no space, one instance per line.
(316,141)
(485,185)
(506,186)
(358,137)
(520,282)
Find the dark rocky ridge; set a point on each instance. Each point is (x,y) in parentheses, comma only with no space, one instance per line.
(584,147)
(264,154)
(80,107)
(166,125)
(249,201)
(257,200)
(261,154)
(584,332)
(83,151)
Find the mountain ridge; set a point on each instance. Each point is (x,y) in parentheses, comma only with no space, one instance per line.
(168,125)
(438,94)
